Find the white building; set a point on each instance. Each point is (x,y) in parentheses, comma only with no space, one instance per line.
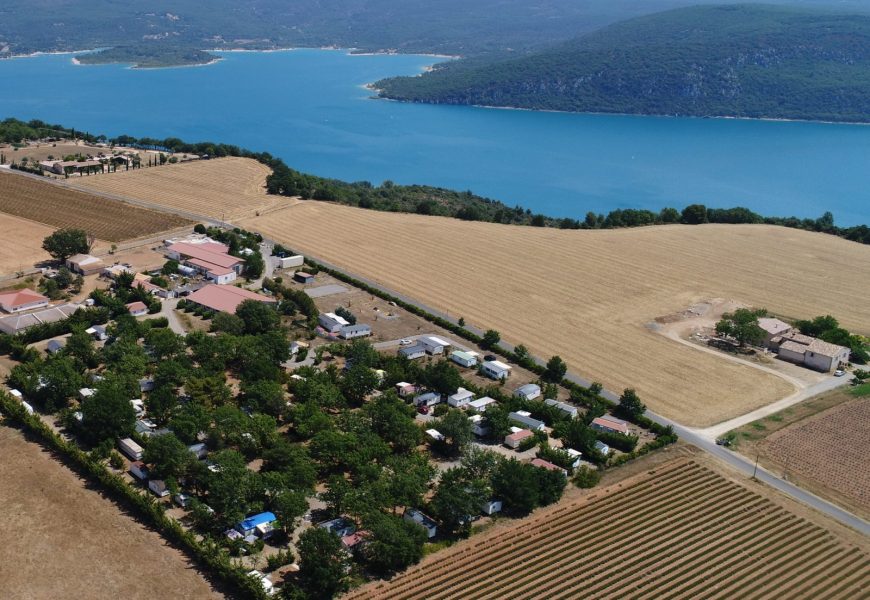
(478,426)
(350,332)
(461,398)
(495,369)
(413,352)
(131,449)
(530,391)
(464,359)
(331,322)
(481,404)
(288,262)
(568,410)
(433,344)
(525,419)
(158,486)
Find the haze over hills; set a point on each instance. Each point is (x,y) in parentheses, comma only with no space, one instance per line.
(172,32)
(726,60)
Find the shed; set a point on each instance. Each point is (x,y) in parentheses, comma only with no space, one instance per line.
(530,391)
(84,264)
(303,277)
(19,300)
(403,388)
(602,447)
(478,426)
(495,369)
(491,507)
(287,262)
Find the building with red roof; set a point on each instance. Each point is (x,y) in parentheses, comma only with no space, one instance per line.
(20,300)
(209,258)
(137,309)
(225,298)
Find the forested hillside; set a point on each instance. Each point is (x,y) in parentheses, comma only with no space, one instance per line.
(727,60)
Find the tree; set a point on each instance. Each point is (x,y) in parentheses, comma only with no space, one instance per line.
(80,346)
(160,403)
(209,390)
(669,215)
(228,323)
(694,214)
(357,383)
(516,484)
(170,267)
(164,344)
(254,265)
(630,405)
(459,497)
(108,414)
(258,316)
(288,506)
(64,243)
(167,456)
(393,421)
(394,543)
(265,396)
(323,564)
(742,325)
(556,369)
(490,339)
(456,429)
(230,486)
(577,435)
(586,477)
(441,377)
(293,462)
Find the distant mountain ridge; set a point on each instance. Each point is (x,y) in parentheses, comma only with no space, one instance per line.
(722,60)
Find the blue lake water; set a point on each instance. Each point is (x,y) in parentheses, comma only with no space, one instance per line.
(309,107)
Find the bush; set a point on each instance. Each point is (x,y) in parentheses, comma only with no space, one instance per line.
(586,477)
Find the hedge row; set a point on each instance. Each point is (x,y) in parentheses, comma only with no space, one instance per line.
(206,553)
(579,393)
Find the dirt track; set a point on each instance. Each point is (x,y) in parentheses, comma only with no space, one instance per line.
(64,540)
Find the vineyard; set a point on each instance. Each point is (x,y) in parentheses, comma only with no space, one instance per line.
(830,448)
(57,206)
(222,188)
(681,531)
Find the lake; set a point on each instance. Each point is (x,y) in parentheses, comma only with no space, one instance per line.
(310,108)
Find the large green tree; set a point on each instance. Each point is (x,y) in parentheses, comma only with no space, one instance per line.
(108,414)
(64,243)
(323,564)
(259,317)
(742,325)
(168,456)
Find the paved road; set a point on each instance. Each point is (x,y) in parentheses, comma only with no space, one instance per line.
(732,458)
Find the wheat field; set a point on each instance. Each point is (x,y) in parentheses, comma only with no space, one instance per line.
(589,295)
(223,188)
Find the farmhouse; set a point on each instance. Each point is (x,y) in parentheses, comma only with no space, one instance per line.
(810,352)
(434,345)
(568,410)
(137,309)
(208,257)
(610,425)
(84,264)
(461,398)
(464,359)
(772,328)
(64,167)
(350,332)
(513,440)
(543,464)
(481,403)
(530,391)
(332,322)
(18,322)
(525,418)
(495,369)
(412,515)
(225,298)
(303,277)
(413,352)
(20,300)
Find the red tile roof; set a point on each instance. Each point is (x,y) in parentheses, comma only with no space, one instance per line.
(18,298)
(137,307)
(225,298)
(208,252)
(611,423)
(212,268)
(544,464)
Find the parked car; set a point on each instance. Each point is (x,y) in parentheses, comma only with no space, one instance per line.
(489,357)
(423,409)
(406,342)
(839,373)
(181,500)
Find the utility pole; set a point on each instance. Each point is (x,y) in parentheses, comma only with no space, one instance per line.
(755,470)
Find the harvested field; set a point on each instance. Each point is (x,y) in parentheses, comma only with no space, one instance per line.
(67,541)
(678,531)
(58,206)
(223,188)
(831,449)
(589,296)
(21,244)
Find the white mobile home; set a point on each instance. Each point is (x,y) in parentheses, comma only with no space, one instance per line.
(568,410)
(427,399)
(464,359)
(331,322)
(355,331)
(288,262)
(413,352)
(434,345)
(158,486)
(131,449)
(461,398)
(495,369)
(139,470)
(530,391)
(481,403)
(412,515)
(525,419)
(491,507)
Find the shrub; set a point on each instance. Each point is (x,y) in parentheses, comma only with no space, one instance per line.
(586,477)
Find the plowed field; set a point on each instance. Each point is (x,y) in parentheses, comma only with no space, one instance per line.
(682,531)
(589,296)
(59,207)
(831,449)
(223,188)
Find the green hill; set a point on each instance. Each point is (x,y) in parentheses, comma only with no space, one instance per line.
(723,60)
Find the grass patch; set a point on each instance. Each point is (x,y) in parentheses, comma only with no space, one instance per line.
(775,418)
(759,426)
(860,391)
